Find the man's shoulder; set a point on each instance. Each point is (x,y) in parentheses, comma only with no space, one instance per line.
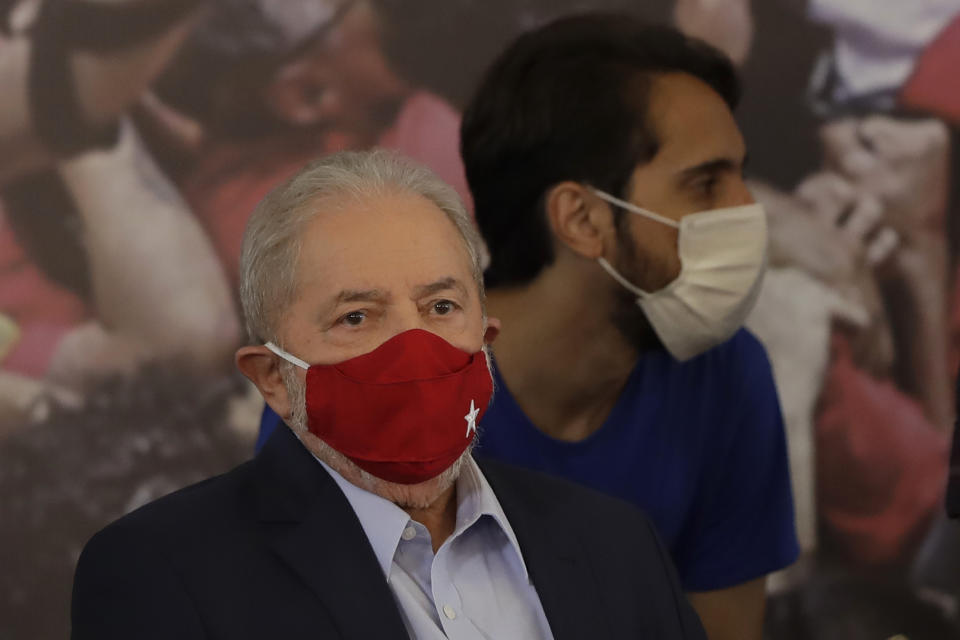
(731,372)
(731,378)
(742,354)
(743,349)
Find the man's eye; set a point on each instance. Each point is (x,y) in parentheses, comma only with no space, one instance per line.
(707,186)
(354,318)
(443,307)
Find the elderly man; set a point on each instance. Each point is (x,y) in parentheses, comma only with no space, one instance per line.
(368,517)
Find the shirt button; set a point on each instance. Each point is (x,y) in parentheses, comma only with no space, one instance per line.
(449,612)
(409,533)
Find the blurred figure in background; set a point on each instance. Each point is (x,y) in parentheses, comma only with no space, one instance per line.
(885,181)
(854,307)
(258,89)
(103,266)
(69,69)
(106,279)
(272,85)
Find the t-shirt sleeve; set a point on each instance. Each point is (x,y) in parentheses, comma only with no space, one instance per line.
(741,526)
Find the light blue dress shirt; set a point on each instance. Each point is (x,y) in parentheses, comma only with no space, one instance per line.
(476,586)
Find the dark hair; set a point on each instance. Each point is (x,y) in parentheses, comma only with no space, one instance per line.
(568,102)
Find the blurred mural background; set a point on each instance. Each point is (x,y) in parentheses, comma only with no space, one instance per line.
(137,135)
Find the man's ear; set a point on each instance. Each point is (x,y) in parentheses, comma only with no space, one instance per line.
(581,222)
(261,367)
(492,331)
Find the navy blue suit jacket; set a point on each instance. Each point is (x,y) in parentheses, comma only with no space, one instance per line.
(273,549)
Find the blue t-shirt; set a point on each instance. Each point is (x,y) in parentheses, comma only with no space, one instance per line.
(699,446)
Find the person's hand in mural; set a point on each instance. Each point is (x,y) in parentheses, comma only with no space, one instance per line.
(903,165)
(158,290)
(855,216)
(833,233)
(72,68)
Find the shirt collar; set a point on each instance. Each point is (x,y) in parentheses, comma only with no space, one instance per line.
(475,498)
(383,522)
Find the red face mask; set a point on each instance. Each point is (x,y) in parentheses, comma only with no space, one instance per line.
(403,412)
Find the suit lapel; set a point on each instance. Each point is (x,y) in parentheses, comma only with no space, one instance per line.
(311,527)
(556,559)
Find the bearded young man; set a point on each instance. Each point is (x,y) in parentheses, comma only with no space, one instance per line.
(368,517)
(606,169)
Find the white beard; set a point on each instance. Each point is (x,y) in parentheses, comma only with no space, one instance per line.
(405,496)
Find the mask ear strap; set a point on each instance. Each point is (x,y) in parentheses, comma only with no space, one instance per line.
(294,360)
(629,286)
(632,208)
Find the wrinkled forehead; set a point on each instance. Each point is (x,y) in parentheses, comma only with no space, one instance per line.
(392,240)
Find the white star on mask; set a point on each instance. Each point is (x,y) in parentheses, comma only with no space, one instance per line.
(471,419)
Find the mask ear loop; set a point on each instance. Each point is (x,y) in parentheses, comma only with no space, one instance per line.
(629,286)
(294,360)
(632,208)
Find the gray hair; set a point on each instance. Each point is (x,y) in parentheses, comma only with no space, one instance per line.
(272,240)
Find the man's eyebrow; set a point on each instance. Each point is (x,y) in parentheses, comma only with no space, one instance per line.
(713,166)
(360,295)
(444,284)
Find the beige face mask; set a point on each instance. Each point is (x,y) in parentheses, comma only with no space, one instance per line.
(723,256)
